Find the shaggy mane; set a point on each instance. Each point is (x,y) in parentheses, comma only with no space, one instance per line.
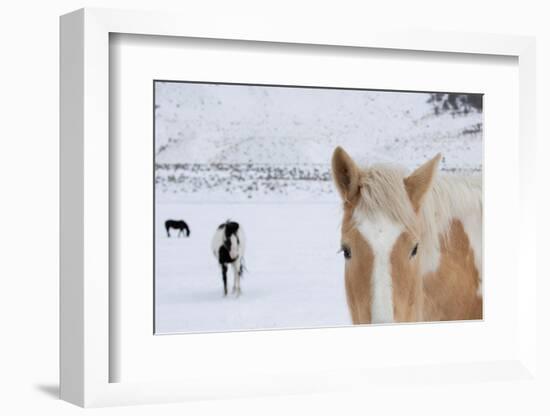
(383,191)
(451,196)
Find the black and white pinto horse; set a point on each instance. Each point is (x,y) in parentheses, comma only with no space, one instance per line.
(228,248)
(180,225)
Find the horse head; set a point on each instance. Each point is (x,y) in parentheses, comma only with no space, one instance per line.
(381,238)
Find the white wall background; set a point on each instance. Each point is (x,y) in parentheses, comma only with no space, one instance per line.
(29,56)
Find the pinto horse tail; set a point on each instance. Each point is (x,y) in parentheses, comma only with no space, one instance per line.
(243,268)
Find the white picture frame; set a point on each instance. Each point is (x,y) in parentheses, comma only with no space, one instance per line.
(85,265)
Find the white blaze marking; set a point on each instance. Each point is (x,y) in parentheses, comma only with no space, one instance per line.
(234,251)
(381,234)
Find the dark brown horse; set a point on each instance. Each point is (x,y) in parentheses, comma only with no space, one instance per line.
(179,225)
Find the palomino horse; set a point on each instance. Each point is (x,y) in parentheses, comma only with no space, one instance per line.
(412,243)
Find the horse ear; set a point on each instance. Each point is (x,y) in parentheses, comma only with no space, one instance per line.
(345,174)
(420,181)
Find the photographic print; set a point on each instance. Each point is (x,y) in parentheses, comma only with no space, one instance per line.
(281,207)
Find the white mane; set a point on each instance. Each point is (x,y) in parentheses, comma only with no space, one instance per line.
(451,197)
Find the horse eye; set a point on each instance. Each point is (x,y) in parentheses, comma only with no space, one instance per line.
(414,250)
(347,252)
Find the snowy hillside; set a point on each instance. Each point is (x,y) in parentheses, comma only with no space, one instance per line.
(214,139)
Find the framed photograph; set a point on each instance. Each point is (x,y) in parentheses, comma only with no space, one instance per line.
(254,171)
(321,201)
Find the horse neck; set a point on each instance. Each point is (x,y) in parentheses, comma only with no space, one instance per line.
(451,220)
(452,198)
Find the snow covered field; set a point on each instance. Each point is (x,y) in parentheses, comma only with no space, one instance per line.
(294,277)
